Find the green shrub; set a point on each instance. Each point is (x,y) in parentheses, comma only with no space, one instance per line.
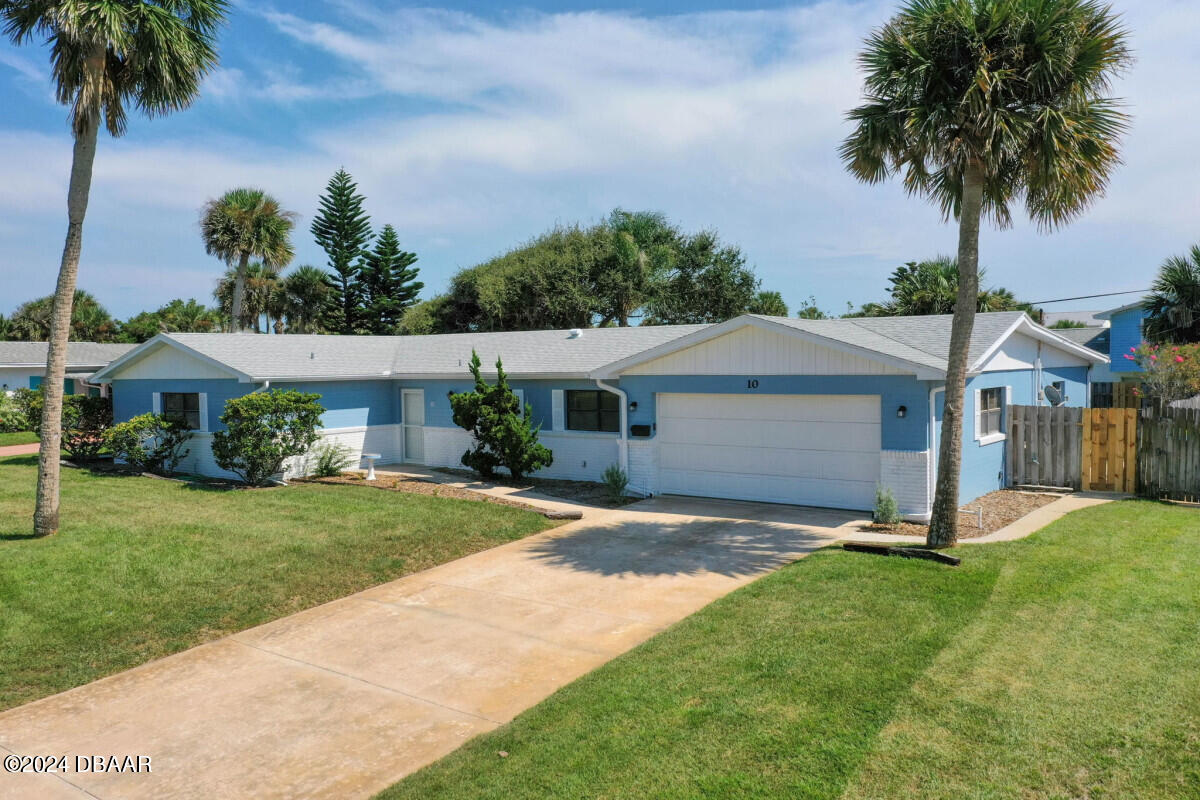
(85,421)
(330,460)
(265,429)
(616,482)
(887,512)
(149,442)
(16,410)
(503,435)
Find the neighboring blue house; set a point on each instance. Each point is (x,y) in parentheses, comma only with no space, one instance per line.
(810,412)
(1125,334)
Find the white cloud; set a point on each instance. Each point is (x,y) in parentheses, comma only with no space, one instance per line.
(485,131)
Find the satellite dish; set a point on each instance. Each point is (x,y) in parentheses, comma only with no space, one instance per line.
(1054,396)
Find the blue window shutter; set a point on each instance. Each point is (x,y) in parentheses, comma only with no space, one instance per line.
(556,410)
(156,403)
(35,381)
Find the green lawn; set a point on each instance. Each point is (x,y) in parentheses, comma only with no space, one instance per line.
(142,567)
(1066,665)
(20,437)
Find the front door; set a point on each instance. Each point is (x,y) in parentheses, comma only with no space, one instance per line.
(413,410)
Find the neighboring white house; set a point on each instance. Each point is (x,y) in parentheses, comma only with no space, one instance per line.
(23,364)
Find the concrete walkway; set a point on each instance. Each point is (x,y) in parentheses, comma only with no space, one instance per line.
(1034,521)
(344,699)
(19,450)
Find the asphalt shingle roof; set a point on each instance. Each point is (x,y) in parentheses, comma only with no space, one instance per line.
(921,341)
(79,354)
(523,352)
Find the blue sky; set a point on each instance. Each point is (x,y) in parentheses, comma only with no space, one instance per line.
(473,127)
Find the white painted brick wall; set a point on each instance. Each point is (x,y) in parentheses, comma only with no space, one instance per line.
(643,467)
(577,457)
(906,473)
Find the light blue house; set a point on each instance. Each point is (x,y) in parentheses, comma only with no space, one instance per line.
(809,412)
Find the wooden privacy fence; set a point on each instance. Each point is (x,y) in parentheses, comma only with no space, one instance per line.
(1044,446)
(1168,441)
(1075,448)
(1110,456)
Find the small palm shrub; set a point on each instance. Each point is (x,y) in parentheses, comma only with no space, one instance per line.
(330,460)
(887,512)
(615,482)
(263,430)
(503,435)
(149,443)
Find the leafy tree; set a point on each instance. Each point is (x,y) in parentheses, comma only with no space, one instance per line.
(5,329)
(85,421)
(307,290)
(389,282)
(240,225)
(263,430)
(342,229)
(90,322)
(1064,324)
(707,282)
(980,103)
(641,248)
(1173,305)
(429,316)
(104,56)
(768,304)
(149,443)
(503,434)
(931,287)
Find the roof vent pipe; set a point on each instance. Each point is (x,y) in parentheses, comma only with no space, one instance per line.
(574,333)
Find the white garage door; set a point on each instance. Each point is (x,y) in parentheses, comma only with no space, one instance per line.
(817,450)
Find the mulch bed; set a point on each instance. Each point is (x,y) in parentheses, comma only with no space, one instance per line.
(1000,509)
(420,486)
(593,494)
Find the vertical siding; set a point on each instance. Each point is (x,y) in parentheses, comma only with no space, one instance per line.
(1126,333)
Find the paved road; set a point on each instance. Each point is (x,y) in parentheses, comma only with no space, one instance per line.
(344,699)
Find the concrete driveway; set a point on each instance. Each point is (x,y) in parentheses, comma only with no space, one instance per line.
(344,699)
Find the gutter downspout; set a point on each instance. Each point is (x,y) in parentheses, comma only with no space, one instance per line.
(933,451)
(265,386)
(623,437)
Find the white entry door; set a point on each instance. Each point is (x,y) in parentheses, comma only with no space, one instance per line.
(813,450)
(413,410)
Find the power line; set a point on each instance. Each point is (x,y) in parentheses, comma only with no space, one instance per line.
(1086,297)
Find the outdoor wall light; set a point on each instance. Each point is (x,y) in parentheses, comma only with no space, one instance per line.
(633,406)
(902,411)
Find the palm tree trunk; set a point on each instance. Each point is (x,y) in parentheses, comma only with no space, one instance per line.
(45,514)
(943,525)
(239,293)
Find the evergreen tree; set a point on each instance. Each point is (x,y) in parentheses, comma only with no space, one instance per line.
(389,283)
(342,229)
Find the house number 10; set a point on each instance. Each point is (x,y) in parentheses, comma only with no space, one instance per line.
(752,383)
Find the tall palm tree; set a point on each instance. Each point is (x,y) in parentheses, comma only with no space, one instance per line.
(980,103)
(1173,305)
(243,224)
(306,289)
(104,56)
(258,282)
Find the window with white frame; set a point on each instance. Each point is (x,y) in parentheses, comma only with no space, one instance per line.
(182,407)
(991,411)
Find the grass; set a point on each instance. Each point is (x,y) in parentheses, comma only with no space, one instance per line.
(19,437)
(1061,666)
(142,568)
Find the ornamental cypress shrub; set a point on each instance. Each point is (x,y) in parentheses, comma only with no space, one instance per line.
(503,434)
